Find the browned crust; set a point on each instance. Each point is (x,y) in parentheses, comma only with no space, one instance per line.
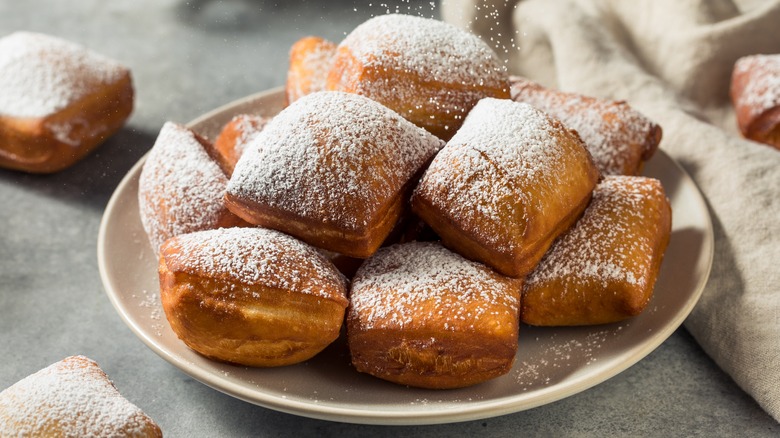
(598,301)
(61,422)
(739,81)
(420,340)
(766,128)
(533,238)
(251,325)
(31,144)
(437,106)
(360,243)
(407,357)
(302,76)
(224,150)
(514,264)
(755,123)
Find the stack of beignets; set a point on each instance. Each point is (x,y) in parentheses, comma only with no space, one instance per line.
(604,268)
(421,315)
(332,169)
(513,193)
(755,93)
(430,72)
(250,296)
(619,138)
(507,184)
(58,101)
(181,186)
(71,398)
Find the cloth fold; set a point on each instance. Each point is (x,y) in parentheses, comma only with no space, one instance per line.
(672,61)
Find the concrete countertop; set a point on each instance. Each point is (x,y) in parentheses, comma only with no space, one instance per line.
(188,57)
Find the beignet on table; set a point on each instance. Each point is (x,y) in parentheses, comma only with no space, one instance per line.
(71,398)
(755,93)
(58,101)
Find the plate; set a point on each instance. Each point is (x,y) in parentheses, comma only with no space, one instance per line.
(551,363)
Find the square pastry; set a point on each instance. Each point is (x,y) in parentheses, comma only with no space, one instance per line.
(333,169)
(58,101)
(430,72)
(250,296)
(71,398)
(604,268)
(755,94)
(619,138)
(181,187)
(421,315)
(506,185)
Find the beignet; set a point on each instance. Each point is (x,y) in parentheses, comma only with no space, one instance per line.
(430,72)
(508,183)
(250,296)
(71,398)
(604,268)
(234,138)
(310,61)
(58,101)
(181,186)
(755,93)
(421,315)
(333,169)
(619,138)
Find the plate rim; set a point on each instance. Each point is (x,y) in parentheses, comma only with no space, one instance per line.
(472,411)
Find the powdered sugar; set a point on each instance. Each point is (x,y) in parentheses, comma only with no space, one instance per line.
(40,74)
(247,126)
(330,155)
(255,256)
(762,89)
(610,243)
(431,68)
(319,61)
(559,357)
(615,134)
(429,48)
(75,397)
(180,187)
(478,178)
(311,72)
(398,284)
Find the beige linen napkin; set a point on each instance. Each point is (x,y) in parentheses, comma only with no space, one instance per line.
(672,60)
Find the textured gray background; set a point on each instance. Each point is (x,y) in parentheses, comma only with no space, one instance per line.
(190,57)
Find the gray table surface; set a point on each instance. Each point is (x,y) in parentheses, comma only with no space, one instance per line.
(188,57)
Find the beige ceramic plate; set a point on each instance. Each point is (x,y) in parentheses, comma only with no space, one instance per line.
(551,363)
